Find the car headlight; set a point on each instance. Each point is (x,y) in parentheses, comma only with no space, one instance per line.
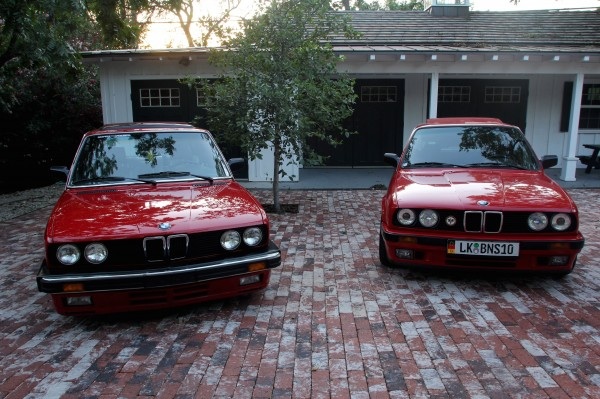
(230,240)
(428,218)
(95,253)
(252,236)
(406,217)
(560,222)
(537,221)
(68,254)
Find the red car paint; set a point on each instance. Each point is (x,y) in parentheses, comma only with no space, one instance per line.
(506,193)
(158,212)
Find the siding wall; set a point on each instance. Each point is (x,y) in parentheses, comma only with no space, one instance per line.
(543,112)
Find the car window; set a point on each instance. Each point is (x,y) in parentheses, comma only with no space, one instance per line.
(470,146)
(133,155)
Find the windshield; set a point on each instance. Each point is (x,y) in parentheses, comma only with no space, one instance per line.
(470,146)
(147,157)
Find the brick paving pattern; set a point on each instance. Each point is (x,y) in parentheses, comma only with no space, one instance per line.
(333,323)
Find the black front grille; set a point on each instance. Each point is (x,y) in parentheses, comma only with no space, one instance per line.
(161,248)
(482,222)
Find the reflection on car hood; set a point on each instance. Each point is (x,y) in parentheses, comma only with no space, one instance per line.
(462,189)
(137,210)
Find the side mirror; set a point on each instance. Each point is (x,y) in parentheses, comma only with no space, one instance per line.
(236,164)
(391,159)
(549,161)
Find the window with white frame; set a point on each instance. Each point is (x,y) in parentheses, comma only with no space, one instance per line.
(590,107)
(502,95)
(159,97)
(454,94)
(378,94)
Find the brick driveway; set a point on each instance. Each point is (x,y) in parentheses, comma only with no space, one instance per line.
(333,323)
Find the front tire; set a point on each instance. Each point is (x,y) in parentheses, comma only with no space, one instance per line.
(383,257)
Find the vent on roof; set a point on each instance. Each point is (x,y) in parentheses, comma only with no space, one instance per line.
(447,8)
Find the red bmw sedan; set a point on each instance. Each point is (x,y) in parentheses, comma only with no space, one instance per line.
(150,218)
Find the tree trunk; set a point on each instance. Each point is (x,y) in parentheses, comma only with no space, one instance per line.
(276,163)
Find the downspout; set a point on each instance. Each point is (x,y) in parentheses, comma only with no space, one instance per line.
(567,172)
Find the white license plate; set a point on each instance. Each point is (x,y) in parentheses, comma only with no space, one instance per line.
(483,248)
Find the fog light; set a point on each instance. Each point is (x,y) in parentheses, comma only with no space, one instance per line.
(404,253)
(558,260)
(79,301)
(255,278)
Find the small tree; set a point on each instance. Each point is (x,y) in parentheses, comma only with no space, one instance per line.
(280,86)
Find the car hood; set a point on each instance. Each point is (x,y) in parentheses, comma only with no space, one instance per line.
(138,210)
(464,189)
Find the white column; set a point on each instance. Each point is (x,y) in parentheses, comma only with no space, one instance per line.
(433,94)
(567,172)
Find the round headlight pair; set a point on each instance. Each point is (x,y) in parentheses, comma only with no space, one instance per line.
(231,239)
(70,254)
(538,221)
(427,217)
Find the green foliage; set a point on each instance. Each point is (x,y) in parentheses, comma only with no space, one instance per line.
(280,86)
(45,127)
(36,34)
(119,23)
(47,98)
(376,5)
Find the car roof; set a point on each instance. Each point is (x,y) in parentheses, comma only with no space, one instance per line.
(143,126)
(475,120)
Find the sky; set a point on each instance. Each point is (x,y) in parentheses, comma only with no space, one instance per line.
(163,35)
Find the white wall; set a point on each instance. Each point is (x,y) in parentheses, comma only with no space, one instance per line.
(543,109)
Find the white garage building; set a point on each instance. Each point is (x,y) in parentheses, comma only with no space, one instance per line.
(539,70)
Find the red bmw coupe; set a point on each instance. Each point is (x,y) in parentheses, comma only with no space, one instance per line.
(470,193)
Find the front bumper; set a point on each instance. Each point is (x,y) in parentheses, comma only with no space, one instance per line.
(157,278)
(432,252)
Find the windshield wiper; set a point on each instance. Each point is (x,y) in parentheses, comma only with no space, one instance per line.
(171,174)
(111,179)
(434,164)
(496,164)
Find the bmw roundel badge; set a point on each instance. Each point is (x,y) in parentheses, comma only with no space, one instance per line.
(164,226)
(483,203)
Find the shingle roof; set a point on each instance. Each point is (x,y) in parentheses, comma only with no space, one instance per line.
(514,29)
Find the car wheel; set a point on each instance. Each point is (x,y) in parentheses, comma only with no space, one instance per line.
(383,258)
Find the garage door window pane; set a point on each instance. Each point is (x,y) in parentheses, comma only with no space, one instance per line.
(378,94)
(167,97)
(454,94)
(502,95)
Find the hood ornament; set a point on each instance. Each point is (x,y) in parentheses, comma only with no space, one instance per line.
(483,203)
(164,226)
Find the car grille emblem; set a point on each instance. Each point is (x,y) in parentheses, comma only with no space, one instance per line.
(164,226)
(483,203)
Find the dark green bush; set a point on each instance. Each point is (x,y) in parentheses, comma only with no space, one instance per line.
(45,124)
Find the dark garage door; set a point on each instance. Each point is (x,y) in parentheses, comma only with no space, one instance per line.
(171,101)
(163,100)
(505,99)
(378,118)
